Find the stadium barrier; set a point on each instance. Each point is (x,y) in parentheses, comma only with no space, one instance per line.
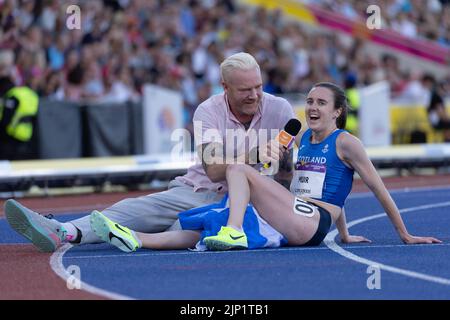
(68,130)
(72,130)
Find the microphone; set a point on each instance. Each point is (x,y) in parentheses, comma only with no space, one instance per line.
(287,136)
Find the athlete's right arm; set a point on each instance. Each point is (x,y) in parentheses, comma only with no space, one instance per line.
(352,152)
(341,225)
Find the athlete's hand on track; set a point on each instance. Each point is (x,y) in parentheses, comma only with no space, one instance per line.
(355,239)
(409,239)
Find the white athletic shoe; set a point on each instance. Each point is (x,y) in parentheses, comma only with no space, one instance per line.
(44,232)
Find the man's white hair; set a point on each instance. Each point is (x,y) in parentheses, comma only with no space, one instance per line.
(237,61)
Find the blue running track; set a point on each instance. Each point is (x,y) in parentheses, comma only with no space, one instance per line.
(406,271)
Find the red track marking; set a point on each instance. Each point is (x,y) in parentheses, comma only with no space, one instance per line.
(25,273)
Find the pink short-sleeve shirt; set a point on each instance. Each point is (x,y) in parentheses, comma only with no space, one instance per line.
(214,121)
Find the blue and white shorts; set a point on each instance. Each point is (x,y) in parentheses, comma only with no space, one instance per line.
(209,219)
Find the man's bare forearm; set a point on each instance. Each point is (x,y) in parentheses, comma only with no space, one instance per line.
(285,172)
(284,180)
(215,163)
(216,172)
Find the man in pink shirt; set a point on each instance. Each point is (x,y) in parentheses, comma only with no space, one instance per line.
(230,127)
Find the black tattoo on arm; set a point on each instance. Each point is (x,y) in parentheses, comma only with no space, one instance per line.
(212,153)
(287,163)
(284,175)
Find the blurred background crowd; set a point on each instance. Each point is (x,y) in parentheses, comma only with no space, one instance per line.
(412,18)
(179,44)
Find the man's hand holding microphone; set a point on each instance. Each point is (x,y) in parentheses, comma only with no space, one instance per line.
(275,149)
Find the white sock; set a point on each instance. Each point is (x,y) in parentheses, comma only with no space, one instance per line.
(137,238)
(236,228)
(72,231)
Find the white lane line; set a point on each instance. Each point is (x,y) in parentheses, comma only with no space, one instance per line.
(329,241)
(57,265)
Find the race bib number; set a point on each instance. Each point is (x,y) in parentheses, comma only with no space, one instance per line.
(303,208)
(308,180)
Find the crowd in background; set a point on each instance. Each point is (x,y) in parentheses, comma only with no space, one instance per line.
(179,44)
(428,19)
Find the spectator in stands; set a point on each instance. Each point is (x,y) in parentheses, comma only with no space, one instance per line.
(73,85)
(437,113)
(242,106)
(274,82)
(415,90)
(392,73)
(53,88)
(118,87)
(405,25)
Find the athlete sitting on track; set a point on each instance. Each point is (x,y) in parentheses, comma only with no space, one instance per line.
(326,161)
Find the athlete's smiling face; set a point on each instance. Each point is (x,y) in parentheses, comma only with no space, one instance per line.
(320,112)
(244,92)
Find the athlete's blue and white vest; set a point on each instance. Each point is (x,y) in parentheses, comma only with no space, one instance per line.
(319,173)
